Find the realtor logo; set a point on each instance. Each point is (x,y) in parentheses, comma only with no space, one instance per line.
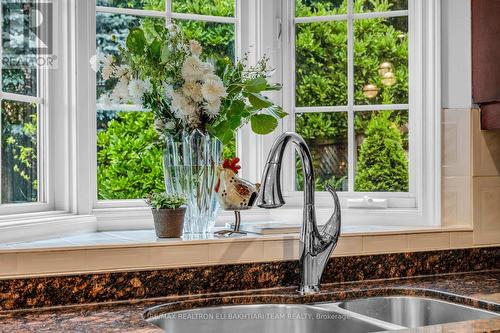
(29,33)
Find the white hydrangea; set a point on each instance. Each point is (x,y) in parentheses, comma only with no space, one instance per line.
(137,89)
(195,47)
(192,89)
(192,69)
(213,88)
(213,107)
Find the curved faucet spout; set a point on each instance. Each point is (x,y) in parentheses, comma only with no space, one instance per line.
(315,245)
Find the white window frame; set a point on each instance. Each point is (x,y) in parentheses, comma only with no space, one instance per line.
(44,199)
(62,156)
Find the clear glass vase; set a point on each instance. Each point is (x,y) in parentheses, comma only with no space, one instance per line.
(190,161)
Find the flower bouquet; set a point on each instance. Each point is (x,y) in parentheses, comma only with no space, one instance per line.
(198,105)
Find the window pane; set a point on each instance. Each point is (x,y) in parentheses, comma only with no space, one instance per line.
(137,4)
(381,61)
(320,7)
(326,135)
(204,7)
(129,164)
(111,32)
(363,6)
(321,64)
(19,152)
(19,74)
(217,39)
(382,151)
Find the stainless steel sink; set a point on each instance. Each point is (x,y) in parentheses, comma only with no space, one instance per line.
(362,315)
(414,311)
(264,319)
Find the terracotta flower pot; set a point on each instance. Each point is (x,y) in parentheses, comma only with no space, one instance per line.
(169,222)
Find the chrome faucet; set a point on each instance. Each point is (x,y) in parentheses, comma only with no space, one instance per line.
(315,245)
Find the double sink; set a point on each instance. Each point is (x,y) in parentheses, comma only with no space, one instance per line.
(362,315)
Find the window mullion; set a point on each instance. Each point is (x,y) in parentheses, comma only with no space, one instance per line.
(350,95)
(168,12)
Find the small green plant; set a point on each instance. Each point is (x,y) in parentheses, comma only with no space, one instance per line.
(163,200)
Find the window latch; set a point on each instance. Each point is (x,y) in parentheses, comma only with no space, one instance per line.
(367,202)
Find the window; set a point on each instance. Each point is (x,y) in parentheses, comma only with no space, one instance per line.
(358,100)
(23,114)
(128,165)
(352,71)
(350,87)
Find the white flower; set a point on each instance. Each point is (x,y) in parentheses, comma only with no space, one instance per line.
(107,67)
(137,89)
(195,47)
(192,90)
(96,61)
(192,69)
(181,106)
(208,68)
(122,72)
(120,93)
(169,125)
(213,88)
(168,90)
(213,108)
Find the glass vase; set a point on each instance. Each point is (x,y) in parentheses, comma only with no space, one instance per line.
(190,162)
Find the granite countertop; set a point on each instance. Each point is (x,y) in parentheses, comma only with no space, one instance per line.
(476,289)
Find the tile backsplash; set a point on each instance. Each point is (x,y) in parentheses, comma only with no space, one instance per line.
(470,175)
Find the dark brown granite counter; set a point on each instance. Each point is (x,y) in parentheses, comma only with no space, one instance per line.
(39,292)
(480,289)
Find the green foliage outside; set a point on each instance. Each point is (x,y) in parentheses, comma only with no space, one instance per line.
(382,160)
(130,165)
(321,77)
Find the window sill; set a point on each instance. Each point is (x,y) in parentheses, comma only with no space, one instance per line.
(41,225)
(140,250)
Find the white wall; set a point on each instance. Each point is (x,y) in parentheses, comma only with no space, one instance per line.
(456,54)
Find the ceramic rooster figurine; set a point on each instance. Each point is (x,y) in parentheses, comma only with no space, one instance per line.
(233,192)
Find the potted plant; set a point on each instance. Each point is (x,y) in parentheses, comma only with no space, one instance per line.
(168,213)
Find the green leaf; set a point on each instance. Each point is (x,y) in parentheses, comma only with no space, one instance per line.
(276,87)
(256,85)
(263,123)
(259,101)
(136,41)
(155,49)
(277,111)
(236,109)
(165,53)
